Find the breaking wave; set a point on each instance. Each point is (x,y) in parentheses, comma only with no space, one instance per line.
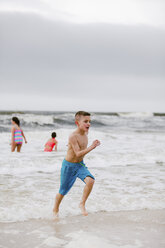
(135,121)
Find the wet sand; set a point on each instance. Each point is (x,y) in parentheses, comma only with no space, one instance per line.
(126,229)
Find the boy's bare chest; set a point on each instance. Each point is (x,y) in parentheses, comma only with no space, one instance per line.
(83,142)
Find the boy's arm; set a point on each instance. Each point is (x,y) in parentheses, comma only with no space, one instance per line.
(75,146)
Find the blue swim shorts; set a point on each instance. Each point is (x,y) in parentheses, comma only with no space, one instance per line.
(69,173)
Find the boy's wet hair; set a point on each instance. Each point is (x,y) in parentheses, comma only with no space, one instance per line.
(53,135)
(16,120)
(81,113)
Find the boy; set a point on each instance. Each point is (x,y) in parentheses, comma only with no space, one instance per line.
(73,165)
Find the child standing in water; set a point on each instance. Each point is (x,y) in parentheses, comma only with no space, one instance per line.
(51,143)
(73,165)
(17,135)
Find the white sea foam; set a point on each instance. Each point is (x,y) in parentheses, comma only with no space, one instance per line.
(136,114)
(82,239)
(53,242)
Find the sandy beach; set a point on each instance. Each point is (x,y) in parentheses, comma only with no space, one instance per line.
(126,229)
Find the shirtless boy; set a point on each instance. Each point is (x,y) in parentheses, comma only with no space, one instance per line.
(73,165)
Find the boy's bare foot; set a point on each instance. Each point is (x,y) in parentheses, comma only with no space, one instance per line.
(55,213)
(83,209)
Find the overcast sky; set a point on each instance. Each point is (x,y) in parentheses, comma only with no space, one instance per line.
(96,55)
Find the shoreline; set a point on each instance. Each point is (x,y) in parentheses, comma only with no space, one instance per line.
(128,229)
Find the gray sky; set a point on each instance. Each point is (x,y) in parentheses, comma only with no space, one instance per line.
(97,55)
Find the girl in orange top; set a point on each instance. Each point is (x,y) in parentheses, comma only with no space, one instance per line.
(51,143)
(17,135)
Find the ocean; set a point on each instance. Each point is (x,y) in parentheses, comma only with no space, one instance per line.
(127,205)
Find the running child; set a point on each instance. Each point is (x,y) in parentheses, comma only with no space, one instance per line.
(51,143)
(17,135)
(73,165)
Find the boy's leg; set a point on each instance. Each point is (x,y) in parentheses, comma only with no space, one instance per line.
(68,177)
(58,200)
(87,189)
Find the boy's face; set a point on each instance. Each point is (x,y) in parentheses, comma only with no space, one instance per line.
(84,123)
